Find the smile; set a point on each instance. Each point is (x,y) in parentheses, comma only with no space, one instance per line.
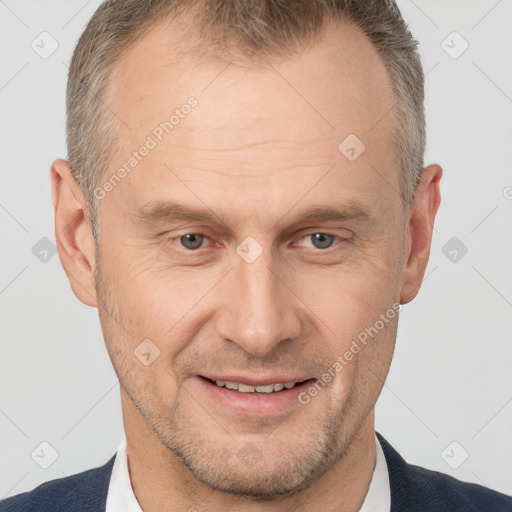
(244,388)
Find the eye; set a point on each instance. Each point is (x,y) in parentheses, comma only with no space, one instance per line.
(195,241)
(321,240)
(192,241)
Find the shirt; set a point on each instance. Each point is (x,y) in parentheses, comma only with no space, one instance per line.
(121,498)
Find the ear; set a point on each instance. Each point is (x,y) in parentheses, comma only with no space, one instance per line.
(73,232)
(419,231)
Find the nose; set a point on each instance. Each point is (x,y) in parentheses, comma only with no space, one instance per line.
(259,309)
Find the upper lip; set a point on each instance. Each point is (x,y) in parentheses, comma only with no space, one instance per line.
(253,381)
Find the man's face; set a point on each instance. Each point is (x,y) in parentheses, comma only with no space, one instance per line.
(249,294)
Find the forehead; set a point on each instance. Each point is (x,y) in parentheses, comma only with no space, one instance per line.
(255,125)
(340,75)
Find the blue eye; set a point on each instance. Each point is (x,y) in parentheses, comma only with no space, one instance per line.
(192,241)
(321,240)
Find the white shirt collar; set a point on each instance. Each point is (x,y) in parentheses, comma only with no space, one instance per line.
(378,497)
(121,498)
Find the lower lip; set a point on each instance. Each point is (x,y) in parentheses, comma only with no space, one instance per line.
(253,404)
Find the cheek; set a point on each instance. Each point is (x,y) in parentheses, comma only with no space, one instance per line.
(350,296)
(356,309)
(164,307)
(136,346)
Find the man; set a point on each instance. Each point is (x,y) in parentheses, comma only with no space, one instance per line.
(246,205)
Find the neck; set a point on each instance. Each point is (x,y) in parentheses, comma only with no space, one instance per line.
(162,483)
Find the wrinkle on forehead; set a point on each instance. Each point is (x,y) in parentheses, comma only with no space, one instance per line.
(258,122)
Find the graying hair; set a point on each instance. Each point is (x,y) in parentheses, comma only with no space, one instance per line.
(258,28)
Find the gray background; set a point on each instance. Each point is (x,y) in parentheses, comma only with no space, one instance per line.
(450,381)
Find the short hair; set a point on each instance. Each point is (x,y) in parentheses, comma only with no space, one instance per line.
(257,29)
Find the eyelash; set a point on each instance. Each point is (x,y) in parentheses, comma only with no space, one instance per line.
(200,233)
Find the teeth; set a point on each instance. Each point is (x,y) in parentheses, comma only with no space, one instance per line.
(244,388)
(264,389)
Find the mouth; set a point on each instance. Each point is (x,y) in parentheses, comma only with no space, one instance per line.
(253,397)
(254,388)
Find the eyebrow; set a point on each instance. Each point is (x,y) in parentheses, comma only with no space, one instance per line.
(161,212)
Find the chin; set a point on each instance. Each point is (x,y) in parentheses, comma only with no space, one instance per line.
(259,470)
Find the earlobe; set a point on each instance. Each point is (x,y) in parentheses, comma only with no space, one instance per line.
(73,233)
(420,229)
